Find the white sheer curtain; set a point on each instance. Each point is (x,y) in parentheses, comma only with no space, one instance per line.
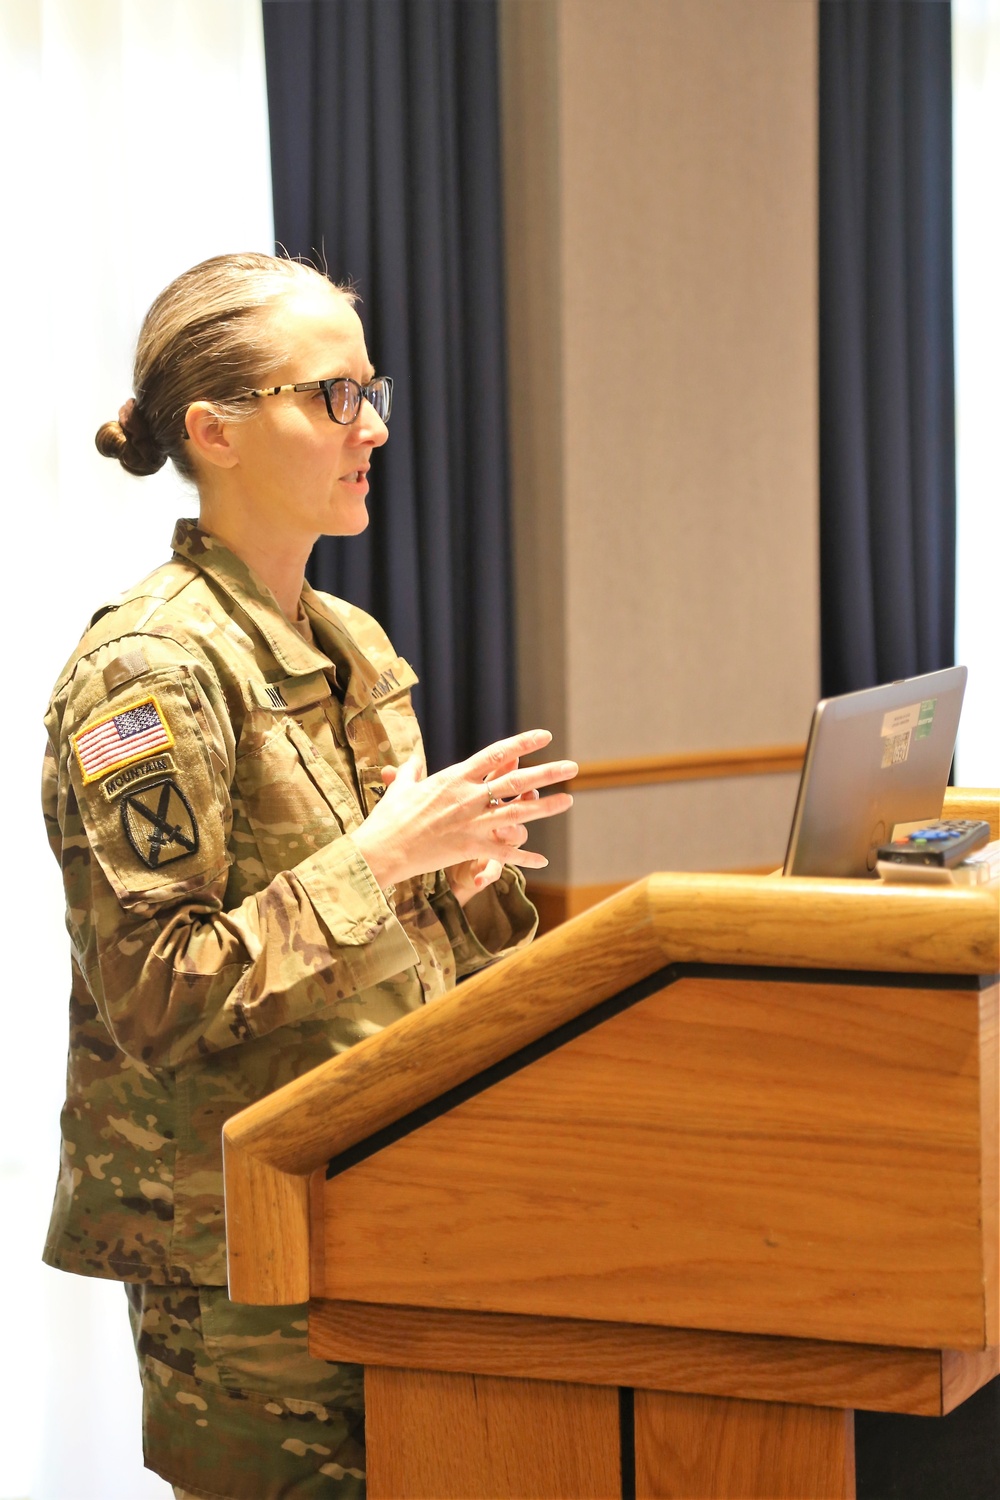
(135,143)
(976,67)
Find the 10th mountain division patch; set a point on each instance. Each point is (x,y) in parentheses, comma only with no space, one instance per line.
(159,823)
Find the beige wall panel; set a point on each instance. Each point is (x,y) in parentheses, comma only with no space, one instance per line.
(532,196)
(529,76)
(688,145)
(682,825)
(660,179)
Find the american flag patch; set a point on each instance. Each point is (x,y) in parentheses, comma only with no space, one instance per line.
(121,738)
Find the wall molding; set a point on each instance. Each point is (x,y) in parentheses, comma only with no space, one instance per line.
(697,765)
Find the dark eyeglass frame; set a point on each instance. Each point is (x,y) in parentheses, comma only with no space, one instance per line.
(373,393)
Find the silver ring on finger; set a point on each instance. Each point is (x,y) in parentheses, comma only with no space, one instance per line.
(494,801)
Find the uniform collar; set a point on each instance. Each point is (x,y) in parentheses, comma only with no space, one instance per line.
(355,673)
(253,597)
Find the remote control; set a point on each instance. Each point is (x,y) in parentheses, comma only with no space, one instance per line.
(941,845)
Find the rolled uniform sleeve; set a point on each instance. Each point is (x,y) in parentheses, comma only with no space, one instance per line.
(493,923)
(145,850)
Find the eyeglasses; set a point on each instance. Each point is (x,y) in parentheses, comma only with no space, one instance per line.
(343,396)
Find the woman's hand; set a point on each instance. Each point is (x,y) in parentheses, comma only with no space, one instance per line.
(468,879)
(448,820)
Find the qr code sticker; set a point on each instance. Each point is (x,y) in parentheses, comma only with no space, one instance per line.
(895,749)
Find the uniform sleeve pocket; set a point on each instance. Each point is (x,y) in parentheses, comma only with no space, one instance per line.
(155,810)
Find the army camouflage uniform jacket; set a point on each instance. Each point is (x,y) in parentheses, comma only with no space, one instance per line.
(206,767)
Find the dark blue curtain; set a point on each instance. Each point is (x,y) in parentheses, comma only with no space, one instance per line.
(887,482)
(887,425)
(385,156)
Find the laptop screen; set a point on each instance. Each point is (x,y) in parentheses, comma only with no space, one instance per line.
(873,759)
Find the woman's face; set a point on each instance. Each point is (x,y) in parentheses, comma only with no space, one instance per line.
(295,468)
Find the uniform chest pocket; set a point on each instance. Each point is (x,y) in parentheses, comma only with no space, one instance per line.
(293,802)
(400,735)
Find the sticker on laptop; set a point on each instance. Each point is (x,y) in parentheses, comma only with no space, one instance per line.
(926,720)
(895,749)
(900,720)
(915,716)
(902,726)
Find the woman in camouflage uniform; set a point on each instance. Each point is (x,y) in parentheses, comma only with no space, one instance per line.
(258,872)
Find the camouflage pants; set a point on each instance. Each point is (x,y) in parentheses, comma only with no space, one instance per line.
(235,1408)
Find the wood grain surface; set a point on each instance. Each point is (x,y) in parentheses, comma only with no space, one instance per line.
(700,1448)
(754,1156)
(466,1437)
(923,1382)
(989,1114)
(267,1231)
(810,923)
(739,919)
(668,918)
(964,1373)
(974,802)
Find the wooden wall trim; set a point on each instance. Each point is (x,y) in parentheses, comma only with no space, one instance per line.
(753,760)
(695,765)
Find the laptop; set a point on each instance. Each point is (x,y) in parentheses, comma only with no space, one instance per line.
(873,759)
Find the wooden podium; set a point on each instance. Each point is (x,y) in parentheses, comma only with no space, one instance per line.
(649,1208)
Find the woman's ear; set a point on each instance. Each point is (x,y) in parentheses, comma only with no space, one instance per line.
(209,436)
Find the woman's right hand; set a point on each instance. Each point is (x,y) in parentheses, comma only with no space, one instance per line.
(425,823)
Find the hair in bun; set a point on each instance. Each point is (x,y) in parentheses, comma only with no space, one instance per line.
(130,441)
(207,337)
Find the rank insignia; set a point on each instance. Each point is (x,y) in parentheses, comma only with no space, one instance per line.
(159,823)
(135,731)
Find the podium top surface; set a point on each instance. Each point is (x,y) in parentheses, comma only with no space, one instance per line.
(662,920)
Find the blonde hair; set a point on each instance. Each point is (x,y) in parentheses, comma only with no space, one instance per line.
(205,338)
